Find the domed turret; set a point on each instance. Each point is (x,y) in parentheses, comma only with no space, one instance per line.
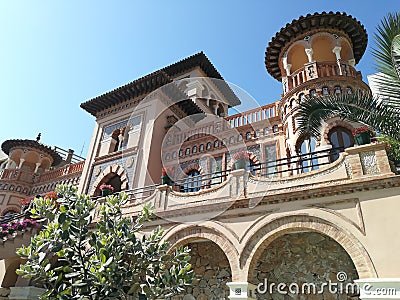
(316,55)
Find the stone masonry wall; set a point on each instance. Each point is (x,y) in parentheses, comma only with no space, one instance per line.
(304,258)
(212,273)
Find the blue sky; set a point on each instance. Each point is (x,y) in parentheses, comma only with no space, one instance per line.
(55,55)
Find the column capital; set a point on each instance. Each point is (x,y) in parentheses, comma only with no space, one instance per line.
(309,52)
(337,50)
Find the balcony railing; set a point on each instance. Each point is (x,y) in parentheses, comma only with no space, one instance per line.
(314,70)
(252,116)
(66,170)
(19,175)
(298,164)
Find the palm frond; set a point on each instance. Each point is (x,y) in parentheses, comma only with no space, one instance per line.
(361,108)
(387,58)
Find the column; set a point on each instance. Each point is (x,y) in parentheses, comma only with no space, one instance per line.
(309,52)
(241,290)
(21,161)
(286,66)
(37,166)
(9,162)
(337,50)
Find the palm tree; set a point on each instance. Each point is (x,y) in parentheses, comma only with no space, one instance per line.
(387,58)
(382,116)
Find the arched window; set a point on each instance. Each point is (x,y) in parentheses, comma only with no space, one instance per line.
(208,146)
(232,140)
(248,135)
(340,139)
(194,149)
(240,138)
(275,128)
(180,153)
(174,154)
(192,181)
(266,131)
(293,103)
(187,151)
(325,91)
(349,90)
(302,97)
(257,133)
(313,93)
(216,144)
(338,90)
(167,156)
(201,147)
(223,142)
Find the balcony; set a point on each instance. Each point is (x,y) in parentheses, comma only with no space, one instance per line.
(315,70)
(310,175)
(17,175)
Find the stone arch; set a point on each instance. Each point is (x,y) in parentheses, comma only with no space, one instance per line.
(296,56)
(107,173)
(322,44)
(263,236)
(347,51)
(15,156)
(192,167)
(181,236)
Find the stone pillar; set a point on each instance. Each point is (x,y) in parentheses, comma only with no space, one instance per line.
(9,162)
(161,201)
(37,167)
(369,159)
(337,50)
(239,178)
(215,108)
(379,288)
(309,52)
(286,66)
(241,290)
(21,161)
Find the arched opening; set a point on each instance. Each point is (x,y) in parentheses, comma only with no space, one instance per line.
(322,48)
(297,57)
(112,179)
(304,262)
(340,139)
(212,271)
(346,52)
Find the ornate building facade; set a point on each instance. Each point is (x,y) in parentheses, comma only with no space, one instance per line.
(258,203)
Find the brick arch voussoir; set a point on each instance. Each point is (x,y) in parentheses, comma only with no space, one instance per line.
(262,237)
(334,124)
(252,157)
(192,167)
(107,172)
(189,234)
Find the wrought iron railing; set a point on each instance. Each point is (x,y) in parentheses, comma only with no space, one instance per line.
(301,163)
(201,181)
